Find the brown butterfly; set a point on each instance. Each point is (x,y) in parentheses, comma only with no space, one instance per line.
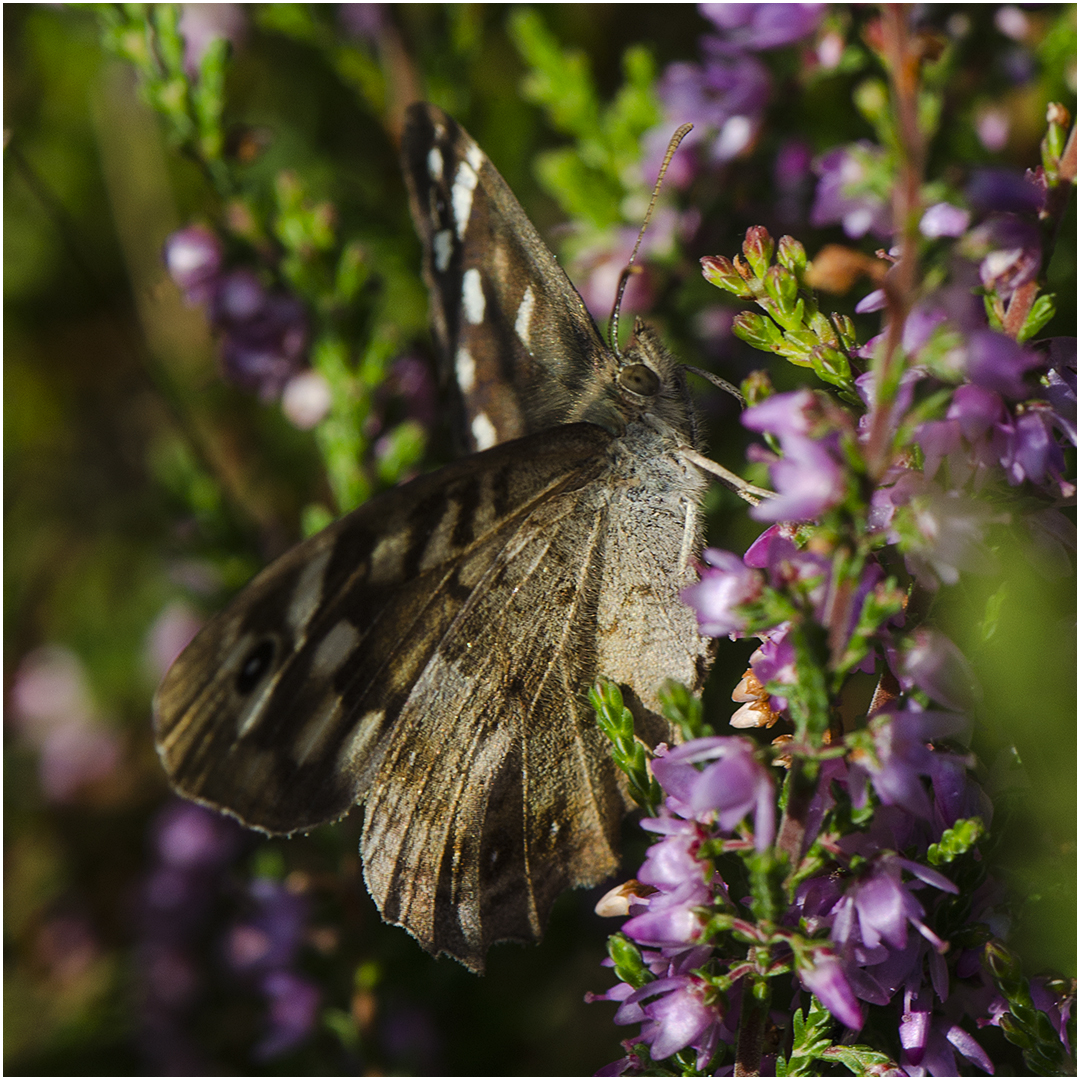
(429,655)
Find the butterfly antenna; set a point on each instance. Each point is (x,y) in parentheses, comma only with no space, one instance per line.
(624,277)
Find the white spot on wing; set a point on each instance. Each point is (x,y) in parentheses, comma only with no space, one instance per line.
(386,558)
(307,594)
(443,246)
(435,164)
(334,649)
(474,156)
(472,296)
(356,747)
(314,733)
(483,431)
(465,369)
(524,316)
(461,196)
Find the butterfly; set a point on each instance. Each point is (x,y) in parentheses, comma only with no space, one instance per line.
(429,655)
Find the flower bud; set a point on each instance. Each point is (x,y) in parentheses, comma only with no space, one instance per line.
(791,254)
(758,247)
(720,272)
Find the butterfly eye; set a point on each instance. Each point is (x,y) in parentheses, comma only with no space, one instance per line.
(639,379)
(255,666)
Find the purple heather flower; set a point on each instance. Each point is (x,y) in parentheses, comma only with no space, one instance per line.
(678,1017)
(1031,452)
(808,479)
(872,301)
(294,1010)
(726,584)
(938,1058)
(1009,252)
(1003,190)
(824,977)
(1057,1009)
(997,362)
(193,257)
(883,905)
(783,415)
(944,219)
(734,784)
(1060,389)
(853,190)
(938,668)
(900,756)
(763,26)
(774,662)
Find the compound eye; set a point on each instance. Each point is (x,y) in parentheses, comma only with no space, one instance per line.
(640,380)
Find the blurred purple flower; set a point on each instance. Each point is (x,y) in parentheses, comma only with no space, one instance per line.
(938,668)
(853,190)
(944,219)
(726,584)
(1031,452)
(992,127)
(264,333)
(169,634)
(52,710)
(203,24)
(997,362)
(763,26)
(293,1012)
(270,937)
(190,837)
(1053,543)
(824,977)
(193,257)
(900,756)
(733,785)
(947,532)
(363,21)
(1060,387)
(1003,190)
(1009,252)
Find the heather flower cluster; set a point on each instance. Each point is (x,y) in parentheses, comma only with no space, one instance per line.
(189,883)
(766,939)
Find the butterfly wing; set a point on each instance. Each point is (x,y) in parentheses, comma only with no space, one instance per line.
(282,707)
(513,333)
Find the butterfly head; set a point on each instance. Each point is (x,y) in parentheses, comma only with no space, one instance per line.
(643,380)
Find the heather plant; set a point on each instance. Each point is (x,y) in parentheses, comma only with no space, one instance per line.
(849,233)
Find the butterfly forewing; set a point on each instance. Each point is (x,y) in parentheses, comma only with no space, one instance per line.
(279,709)
(512,331)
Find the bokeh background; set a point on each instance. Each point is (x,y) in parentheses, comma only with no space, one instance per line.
(142,488)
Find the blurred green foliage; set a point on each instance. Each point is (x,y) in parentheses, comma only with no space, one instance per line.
(136,478)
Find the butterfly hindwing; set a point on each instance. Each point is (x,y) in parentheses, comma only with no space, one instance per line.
(512,331)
